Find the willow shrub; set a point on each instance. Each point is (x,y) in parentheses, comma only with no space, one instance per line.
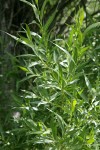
(59,108)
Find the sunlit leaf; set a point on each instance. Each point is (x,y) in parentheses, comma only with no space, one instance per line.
(23,68)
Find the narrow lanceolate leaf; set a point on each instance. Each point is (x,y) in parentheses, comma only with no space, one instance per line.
(28,33)
(90,141)
(66,52)
(27,78)
(22,40)
(82,51)
(49,21)
(88,84)
(14,37)
(73,105)
(23,68)
(60,121)
(36,12)
(92,28)
(27,55)
(81,16)
(36,2)
(35,34)
(26,41)
(32,64)
(32,33)
(42,9)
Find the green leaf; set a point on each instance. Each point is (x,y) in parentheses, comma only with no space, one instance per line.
(90,141)
(23,68)
(88,83)
(26,41)
(81,16)
(22,40)
(27,78)
(42,9)
(98,47)
(66,52)
(35,34)
(28,33)
(91,28)
(49,21)
(32,64)
(27,55)
(75,55)
(74,102)
(36,2)
(36,12)
(82,51)
(70,39)
(60,120)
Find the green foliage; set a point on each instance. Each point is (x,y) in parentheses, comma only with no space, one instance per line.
(92,28)
(59,108)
